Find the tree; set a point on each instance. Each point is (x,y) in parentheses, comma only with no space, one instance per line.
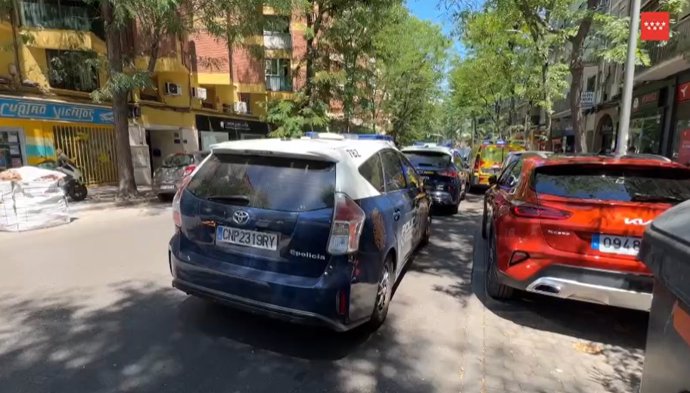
(410,68)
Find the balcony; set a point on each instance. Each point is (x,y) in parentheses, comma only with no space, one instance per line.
(667,59)
(60,15)
(276,40)
(278,83)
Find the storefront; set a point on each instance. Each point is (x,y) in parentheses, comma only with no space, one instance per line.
(214,129)
(680,149)
(646,123)
(31,130)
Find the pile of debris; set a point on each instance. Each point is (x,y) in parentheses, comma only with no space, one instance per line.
(31,198)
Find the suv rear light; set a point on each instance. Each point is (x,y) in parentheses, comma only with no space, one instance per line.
(517,257)
(177,215)
(348,221)
(449,173)
(188,170)
(528,210)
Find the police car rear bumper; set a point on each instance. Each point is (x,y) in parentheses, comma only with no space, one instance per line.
(442,198)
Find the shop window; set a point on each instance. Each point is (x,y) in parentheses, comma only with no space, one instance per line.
(73,70)
(278,75)
(681,138)
(645,135)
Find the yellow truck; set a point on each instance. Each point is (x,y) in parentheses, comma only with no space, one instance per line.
(486,160)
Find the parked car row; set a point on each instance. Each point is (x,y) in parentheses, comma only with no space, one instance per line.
(571,226)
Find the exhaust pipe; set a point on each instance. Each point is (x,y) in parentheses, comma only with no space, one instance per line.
(547,289)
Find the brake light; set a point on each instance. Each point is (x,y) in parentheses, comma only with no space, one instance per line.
(449,173)
(177,214)
(478,164)
(188,170)
(527,210)
(348,221)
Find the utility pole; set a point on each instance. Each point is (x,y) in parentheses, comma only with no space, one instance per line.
(626,102)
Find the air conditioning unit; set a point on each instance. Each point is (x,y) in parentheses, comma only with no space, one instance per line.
(172,89)
(240,107)
(199,92)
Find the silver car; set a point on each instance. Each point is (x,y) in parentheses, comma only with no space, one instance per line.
(174,168)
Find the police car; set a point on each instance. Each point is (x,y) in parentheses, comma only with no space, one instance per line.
(307,230)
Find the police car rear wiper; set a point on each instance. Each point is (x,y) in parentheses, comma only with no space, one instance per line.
(230,199)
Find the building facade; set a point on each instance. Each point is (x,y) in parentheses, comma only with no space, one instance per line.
(204,90)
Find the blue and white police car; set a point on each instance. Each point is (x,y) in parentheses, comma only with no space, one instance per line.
(316,229)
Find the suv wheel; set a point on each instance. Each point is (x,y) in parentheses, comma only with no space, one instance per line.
(383,294)
(494,288)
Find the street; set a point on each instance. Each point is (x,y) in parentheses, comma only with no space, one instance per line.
(88,307)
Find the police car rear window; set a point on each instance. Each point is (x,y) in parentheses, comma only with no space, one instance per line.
(428,159)
(273,183)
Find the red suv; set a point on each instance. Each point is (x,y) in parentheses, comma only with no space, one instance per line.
(571,226)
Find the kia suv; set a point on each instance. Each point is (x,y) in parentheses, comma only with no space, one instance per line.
(571,227)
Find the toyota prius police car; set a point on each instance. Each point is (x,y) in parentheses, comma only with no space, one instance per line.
(313,230)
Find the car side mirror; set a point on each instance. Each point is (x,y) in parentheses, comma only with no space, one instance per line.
(493,180)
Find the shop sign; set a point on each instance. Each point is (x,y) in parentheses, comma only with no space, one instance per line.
(235,125)
(683,92)
(647,99)
(43,110)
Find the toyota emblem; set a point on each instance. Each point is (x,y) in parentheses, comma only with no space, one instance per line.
(240,217)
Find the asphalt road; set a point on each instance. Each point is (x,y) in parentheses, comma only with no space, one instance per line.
(88,308)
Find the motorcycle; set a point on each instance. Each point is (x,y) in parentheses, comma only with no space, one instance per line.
(73,182)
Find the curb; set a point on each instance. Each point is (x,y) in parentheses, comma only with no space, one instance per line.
(88,206)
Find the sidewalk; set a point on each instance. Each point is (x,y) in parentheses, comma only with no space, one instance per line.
(105,197)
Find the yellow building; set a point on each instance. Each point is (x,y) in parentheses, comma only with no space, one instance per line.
(53,57)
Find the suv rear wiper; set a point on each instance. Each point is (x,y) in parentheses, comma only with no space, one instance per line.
(639,197)
(230,199)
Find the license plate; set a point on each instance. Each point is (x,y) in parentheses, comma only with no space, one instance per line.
(621,245)
(167,187)
(243,237)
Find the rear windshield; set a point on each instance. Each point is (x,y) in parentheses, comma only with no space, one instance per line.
(428,159)
(493,155)
(175,160)
(274,183)
(614,183)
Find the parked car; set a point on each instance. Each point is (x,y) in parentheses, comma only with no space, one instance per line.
(175,167)
(311,230)
(487,158)
(445,175)
(571,227)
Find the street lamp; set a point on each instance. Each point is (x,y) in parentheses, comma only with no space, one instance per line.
(626,102)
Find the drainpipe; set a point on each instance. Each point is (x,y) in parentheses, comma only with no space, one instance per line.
(14,21)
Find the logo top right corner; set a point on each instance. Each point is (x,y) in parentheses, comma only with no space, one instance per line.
(655,26)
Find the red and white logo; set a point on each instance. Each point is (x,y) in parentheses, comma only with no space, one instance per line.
(655,26)
(683,93)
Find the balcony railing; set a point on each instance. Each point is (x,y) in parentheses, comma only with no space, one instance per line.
(278,83)
(679,43)
(54,15)
(276,40)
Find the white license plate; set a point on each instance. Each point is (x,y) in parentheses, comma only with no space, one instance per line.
(622,245)
(243,237)
(167,187)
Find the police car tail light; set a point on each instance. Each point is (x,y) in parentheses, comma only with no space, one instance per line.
(177,214)
(348,221)
(449,173)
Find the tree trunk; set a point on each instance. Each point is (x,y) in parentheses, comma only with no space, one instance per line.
(125,169)
(313,25)
(576,73)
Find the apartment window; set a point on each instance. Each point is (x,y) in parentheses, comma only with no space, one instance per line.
(591,82)
(72,70)
(278,75)
(61,14)
(247,98)
(276,24)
